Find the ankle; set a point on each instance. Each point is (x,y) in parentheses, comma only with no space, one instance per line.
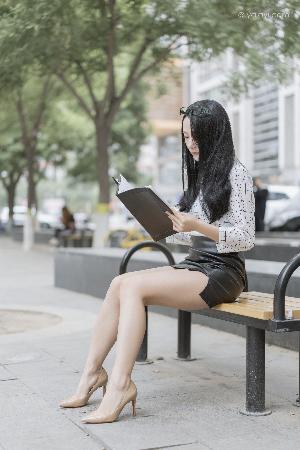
(91,370)
(120,381)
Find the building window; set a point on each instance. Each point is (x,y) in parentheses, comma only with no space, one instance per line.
(169,173)
(236,132)
(218,94)
(169,146)
(289,127)
(265,122)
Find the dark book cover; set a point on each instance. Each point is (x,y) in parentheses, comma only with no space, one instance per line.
(147,207)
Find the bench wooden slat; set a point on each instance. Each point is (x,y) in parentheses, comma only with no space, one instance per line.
(266,304)
(259,305)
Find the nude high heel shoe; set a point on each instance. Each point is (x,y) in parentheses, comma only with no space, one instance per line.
(129,396)
(101,381)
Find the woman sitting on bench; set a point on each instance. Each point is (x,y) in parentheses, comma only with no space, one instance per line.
(68,222)
(218,203)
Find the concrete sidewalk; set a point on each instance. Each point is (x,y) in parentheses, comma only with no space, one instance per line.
(180,405)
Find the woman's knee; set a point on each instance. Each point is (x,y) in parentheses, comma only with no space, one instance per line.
(113,292)
(117,280)
(116,283)
(133,284)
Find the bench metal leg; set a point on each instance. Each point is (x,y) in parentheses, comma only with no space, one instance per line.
(255,373)
(184,336)
(297,403)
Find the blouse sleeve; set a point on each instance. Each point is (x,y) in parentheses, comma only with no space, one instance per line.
(182,237)
(237,226)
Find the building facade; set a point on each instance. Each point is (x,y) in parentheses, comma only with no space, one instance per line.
(264,122)
(161,155)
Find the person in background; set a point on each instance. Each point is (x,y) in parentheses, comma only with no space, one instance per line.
(67,219)
(260,194)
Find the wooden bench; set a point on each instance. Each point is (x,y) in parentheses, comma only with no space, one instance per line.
(259,305)
(258,311)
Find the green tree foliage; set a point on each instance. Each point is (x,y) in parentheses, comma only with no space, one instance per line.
(27,146)
(129,131)
(109,46)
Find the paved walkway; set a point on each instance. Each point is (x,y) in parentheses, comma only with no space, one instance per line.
(180,405)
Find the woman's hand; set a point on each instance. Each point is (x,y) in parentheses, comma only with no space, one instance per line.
(182,221)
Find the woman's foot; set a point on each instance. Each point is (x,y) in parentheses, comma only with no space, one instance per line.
(112,399)
(89,382)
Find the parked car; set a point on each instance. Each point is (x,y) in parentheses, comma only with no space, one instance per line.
(288,218)
(83,221)
(118,220)
(278,198)
(19,215)
(48,220)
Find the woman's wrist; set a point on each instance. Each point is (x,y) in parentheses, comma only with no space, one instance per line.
(211,231)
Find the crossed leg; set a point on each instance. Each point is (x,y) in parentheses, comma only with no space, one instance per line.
(166,286)
(104,333)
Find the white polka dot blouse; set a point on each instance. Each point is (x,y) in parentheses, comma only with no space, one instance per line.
(237,226)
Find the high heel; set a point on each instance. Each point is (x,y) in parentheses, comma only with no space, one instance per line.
(82,401)
(129,396)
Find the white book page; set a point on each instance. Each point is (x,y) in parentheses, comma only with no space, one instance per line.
(124,185)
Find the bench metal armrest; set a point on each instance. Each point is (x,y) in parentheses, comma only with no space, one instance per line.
(132,250)
(280,287)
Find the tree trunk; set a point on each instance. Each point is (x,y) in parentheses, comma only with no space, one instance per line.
(102,141)
(35,199)
(101,216)
(11,192)
(29,225)
(30,179)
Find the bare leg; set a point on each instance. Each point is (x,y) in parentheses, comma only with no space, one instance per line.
(103,337)
(104,333)
(135,293)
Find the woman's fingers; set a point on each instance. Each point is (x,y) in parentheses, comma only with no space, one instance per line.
(175,224)
(175,212)
(175,221)
(171,217)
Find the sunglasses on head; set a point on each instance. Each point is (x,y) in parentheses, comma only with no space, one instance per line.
(200,112)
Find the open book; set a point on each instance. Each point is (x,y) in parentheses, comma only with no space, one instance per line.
(147,207)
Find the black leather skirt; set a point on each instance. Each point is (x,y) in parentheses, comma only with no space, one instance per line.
(226,271)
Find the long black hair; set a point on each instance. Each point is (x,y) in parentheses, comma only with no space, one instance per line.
(211,131)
